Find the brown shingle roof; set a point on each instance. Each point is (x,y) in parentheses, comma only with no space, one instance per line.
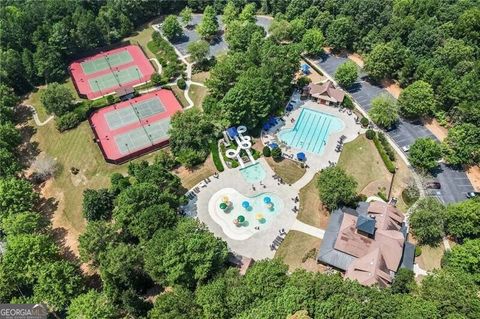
(326,89)
(377,256)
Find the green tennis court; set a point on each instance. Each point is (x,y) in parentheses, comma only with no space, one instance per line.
(122,117)
(106,62)
(114,79)
(148,107)
(142,137)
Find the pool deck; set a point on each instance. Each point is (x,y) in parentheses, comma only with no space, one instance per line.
(315,161)
(258,245)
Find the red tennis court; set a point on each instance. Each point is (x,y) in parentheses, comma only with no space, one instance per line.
(104,73)
(132,128)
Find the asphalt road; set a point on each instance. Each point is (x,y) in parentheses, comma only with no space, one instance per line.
(455,183)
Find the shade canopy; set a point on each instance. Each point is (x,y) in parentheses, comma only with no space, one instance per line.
(223,206)
(289,107)
(241,218)
(301,156)
(266,127)
(305,68)
(245,204)
(273,145)
(267,200)
(259,216)
(232,132)
(225,199)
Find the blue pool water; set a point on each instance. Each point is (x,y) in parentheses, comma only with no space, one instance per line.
(253,173)
(311,131)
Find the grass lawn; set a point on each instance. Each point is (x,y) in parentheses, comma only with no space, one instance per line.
(200,77)
(180,96)
(430,258)
(192,177)
(361,160)
(197,94)
(290,171)
(34,99)
(295,247)
(312,211)
(141,37)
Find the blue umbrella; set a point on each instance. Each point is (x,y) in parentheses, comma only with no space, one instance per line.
(289,107)
(245,204)
(267,200)
(305,69)
(273,145)
(301,156)
(266,127)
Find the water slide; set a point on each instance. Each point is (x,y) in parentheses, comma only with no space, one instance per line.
(244,143)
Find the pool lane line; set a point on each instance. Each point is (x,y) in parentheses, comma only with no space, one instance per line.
(324,141)
(300,118)
(303,125)
(319,134)
(315,125)
(312,123)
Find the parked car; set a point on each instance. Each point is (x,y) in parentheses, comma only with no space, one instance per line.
(433,185)
(406,148)
(473,194)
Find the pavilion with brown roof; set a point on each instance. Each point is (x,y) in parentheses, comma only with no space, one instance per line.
(325,93)
(367,243)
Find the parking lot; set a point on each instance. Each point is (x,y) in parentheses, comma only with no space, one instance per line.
(218,46)
(455,183)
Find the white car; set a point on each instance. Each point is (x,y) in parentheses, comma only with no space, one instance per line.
(406,148)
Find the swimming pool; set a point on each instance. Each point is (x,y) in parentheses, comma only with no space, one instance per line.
(254,173)
(311,131)
(257,215)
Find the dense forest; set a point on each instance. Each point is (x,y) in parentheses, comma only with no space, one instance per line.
(148,261)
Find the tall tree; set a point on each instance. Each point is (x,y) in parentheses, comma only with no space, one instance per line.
(384,111)
(382,62)
(16,196)
(417,100)
(92,305)
(346,74)
(186,16)
(313,41)
(336,188)
(463,220)
(57,99)
(425,154)
(248,13)
(171,28)
(230,13)
(427,221)
(208,27)
(341,33)
(198,50)
(97,204)
(462,145)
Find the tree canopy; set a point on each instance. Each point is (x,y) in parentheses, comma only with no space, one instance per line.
(384,111)
(208,27)
(346,74)
(427,221)
(313,41)
(417,100)
(171,28)
(336,188)
(424,154)
(57,99)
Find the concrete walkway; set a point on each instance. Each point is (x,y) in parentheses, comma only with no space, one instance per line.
(308,229)
(35,116)
(419,271)
(158,65)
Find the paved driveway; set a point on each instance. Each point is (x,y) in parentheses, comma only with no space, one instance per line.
(455,183)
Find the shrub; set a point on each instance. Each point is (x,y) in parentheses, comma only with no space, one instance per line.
(410,194)
(216,156)
(383,196)
(364,121)
(386,145)
(418,251)
(156,79)
(67,121)
(182,85)
(370,134)
(277,154)
(386,160)
(347,103)
(266,151)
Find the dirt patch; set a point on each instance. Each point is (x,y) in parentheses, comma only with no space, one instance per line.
(473,174)
(374,187)
(79,179)
(191,177)
(433,126)
(64,233)
(392,87)
(355,57)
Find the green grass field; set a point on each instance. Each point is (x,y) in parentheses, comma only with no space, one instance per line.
(293,249)
(287,169)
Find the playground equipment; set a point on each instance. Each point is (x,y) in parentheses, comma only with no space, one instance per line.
(244,142)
